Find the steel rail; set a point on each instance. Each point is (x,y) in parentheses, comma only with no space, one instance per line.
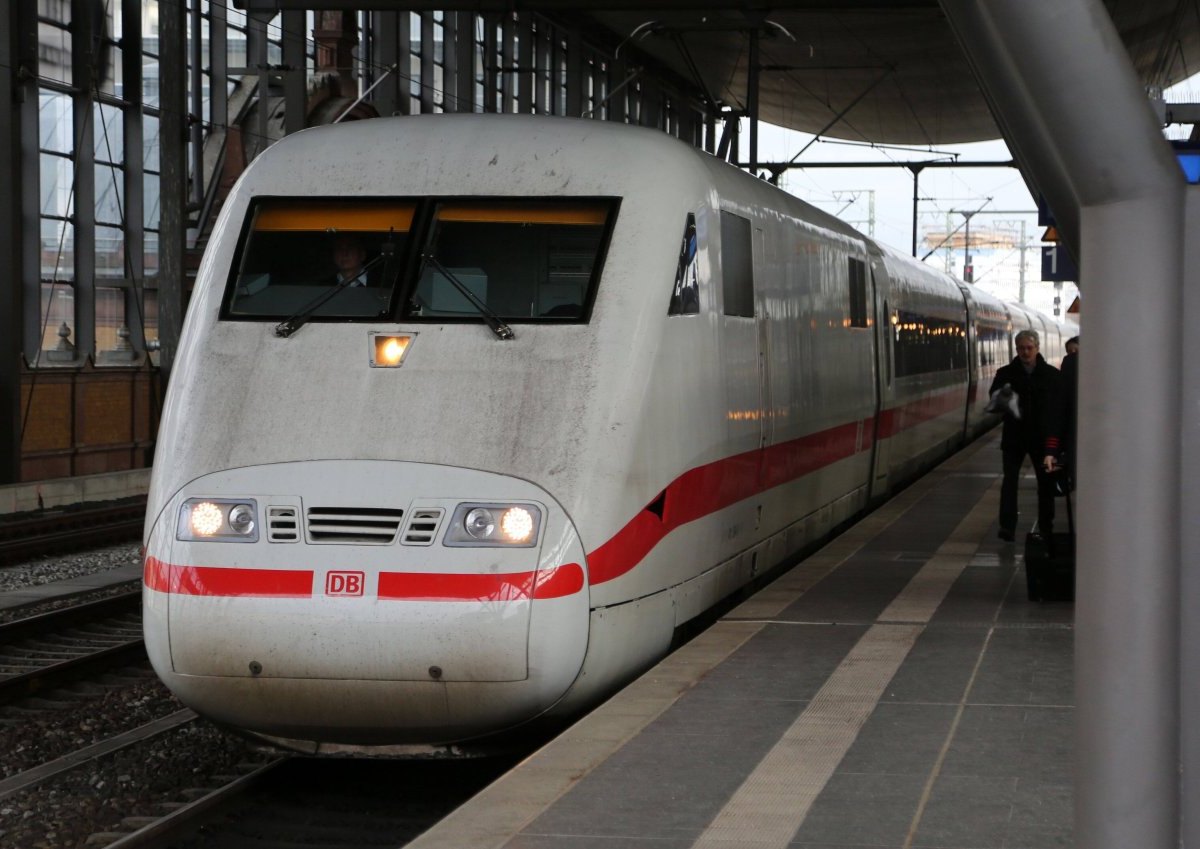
(167,830)
(24,684)
(47,533)
(32,777)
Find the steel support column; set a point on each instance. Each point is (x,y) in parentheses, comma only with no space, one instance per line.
(134,175)
(295,72)
(196,105)
(428,99)
(257,53)
(460,48)
(10,250)
(84,71)
(752,100)
(29,132)
(392,46)
(1073,110)
(173,138)
(526,62)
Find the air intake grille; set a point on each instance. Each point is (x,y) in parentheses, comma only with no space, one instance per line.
(422,526)
(365,525)
(283,524)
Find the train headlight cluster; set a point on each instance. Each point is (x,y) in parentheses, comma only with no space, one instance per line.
(219,519)
(479,525)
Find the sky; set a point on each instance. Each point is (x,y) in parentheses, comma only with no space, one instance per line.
(879,203)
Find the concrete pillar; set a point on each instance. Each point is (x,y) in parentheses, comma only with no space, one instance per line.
(1074,113)
(1190,539)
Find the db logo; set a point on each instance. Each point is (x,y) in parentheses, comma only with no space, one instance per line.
(344,583)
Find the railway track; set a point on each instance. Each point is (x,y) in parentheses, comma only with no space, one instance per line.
(64,645)
(316,803)
(31,535)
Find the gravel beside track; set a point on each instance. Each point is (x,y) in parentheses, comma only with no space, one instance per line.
(137,782)
(64,811)
(47,570)
(41,729)
(58,568)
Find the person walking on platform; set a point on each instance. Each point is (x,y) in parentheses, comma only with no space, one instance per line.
(1031,429)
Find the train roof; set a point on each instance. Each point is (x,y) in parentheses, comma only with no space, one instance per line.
(513,155)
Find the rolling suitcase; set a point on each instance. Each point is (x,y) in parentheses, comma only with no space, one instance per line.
(1050,562)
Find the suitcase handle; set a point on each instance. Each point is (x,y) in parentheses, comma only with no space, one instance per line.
(1063,483)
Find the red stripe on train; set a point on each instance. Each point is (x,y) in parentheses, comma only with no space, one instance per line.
(715,486)
(515,586)
(226,582)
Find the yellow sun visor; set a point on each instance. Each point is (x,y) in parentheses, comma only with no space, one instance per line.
(291,216)
(524,213)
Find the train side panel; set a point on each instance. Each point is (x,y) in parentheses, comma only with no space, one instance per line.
(922,419)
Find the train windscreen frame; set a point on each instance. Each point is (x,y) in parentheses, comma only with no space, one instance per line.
(533,260)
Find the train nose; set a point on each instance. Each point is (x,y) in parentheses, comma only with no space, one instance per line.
(381,602)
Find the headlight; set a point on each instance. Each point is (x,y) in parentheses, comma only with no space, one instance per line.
(218,519)
(388,349)
(479,525)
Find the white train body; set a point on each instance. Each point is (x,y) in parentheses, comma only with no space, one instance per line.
(668,450)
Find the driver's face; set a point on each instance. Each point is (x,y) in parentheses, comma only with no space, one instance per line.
(348,256)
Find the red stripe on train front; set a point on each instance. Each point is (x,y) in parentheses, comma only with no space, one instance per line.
(712,487)
(227,582)
(514,586)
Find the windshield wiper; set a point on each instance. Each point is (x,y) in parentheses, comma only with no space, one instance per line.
(293,323)
(502,330)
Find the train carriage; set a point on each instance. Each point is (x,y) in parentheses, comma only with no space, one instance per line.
(587,383)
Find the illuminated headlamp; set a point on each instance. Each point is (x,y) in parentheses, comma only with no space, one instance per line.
(388,349)
(487,525)
(218,519)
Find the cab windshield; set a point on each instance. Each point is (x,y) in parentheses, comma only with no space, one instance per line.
(519,260)
(298,252)
(419,260)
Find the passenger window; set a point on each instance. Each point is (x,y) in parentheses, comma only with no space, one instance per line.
(858,293)
(926,344)
(685,298)
(737,265)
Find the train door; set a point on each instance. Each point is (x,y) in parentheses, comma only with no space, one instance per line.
(884,379)
(972,330)
(766,435)
(741,336)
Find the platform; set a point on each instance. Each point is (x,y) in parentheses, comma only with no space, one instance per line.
(70,492)
(894,690)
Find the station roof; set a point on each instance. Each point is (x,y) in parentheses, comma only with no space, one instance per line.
(882,71)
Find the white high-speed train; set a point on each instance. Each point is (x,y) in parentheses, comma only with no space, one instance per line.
(470,414)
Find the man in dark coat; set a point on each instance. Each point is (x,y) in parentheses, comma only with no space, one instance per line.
(1034,433)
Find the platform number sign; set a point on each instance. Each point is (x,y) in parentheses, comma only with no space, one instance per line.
(1057,264)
